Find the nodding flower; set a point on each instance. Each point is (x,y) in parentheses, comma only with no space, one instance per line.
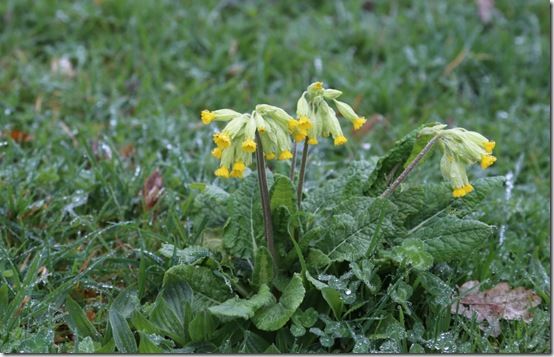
(236,143)
(461,148)
(313,105)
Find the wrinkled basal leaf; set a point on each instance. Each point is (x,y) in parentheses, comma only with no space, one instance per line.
(499,302)
(451,238)
(189,255)
(244,308)
(273,317)
(412,252)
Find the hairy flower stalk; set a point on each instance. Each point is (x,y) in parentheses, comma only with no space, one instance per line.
(461,148)
(317,119)
(267,132)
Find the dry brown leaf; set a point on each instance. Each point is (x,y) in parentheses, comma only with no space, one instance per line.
(499,302)
(127,151)
(20,136)
(153,189)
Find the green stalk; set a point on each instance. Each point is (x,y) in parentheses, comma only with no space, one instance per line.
(302,173)
(293,163)
(409,168)
(264,195)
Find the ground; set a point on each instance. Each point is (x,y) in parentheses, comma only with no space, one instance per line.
(98,94)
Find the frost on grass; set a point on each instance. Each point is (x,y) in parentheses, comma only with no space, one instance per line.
(499,302)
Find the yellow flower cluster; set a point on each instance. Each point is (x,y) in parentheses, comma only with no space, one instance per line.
(313,106)
(461,148)
(236,143)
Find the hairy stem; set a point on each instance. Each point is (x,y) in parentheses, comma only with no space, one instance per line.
(293,163)
(302,173)
(409,168)
(264,194)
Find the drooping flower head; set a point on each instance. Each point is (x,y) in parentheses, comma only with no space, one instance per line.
(312,106)
(461,148)
(236,143)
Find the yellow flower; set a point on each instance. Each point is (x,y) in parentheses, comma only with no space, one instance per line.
(249,145)
(285,155)
(304,123)
(207,116)
(222,140)
(238,169)
(312,141)
(468,188)
(318,85)
(217,152)
(222,172)
(489,146)
(293,124)
(487,161)
(358,122)
(340,140)
(270,155)
(459,192)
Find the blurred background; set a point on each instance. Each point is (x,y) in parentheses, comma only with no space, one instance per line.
(96,94)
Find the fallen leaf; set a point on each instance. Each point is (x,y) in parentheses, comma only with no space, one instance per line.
(485,10)
(127,151)
(20,136)
(91,315)
(499,302)
(153,189)
(62,66)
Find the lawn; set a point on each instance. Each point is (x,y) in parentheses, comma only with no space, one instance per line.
(97,95)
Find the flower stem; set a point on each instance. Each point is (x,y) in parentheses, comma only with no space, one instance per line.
(302,173)
(409,168)
(264,194)
(293,163)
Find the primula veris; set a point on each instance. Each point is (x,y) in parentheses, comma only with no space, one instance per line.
(236,143)
(461,148)
(312,105)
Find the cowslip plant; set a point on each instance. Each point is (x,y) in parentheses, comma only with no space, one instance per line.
(351,271)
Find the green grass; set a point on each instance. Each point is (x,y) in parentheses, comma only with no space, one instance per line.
(144,71)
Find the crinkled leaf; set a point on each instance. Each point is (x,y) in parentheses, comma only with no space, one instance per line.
(189,255)
(207,288)
(263,267)
(450,238)
(412,252)
(366,272)
(438,289)
(273,317)
(243,232)
(211,203)
(244,308)
(350,234)
(282,193)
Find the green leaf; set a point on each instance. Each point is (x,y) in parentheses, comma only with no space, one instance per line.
(109,347)
(316,283)
(282,194)
(211,204)
(440,291)
(243,232)
(86,345)
(348,235)
(306,318)
(347,184)
(333,298)
(244,308)
(263,267)
(123,337)
(146,345)
(207,288)
(366,272)
(451,238)
(317,259)
(412,252)
(483,187)
(168,321)
(78,320)
(391,164)
(142,324)
(400,292)
(125,303)
(201,327)
(189,255)
(273,317)
(4,300)
(272,349)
